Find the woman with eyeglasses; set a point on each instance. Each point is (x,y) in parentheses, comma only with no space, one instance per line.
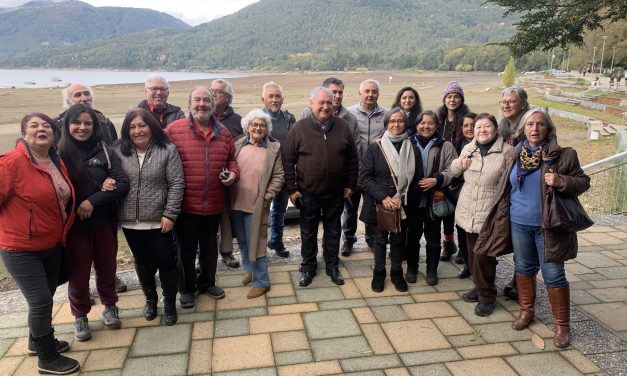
(261,179)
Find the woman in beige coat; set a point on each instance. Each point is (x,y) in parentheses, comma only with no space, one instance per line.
(261,179)
(481,163)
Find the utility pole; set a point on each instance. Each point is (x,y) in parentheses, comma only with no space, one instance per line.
(602,51)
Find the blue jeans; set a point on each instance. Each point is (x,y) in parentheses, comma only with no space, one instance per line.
(528,243)
(277,216)
(259,268)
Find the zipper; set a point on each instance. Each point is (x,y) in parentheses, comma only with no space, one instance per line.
(31,223)
(139,184)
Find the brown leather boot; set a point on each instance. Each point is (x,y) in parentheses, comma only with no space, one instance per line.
(559,297)
(526,299)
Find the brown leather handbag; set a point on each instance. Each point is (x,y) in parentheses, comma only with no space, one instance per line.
(388,220)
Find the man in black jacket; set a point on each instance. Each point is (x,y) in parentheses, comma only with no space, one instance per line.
(157,91)
(320,163)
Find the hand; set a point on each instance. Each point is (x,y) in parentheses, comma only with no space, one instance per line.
(427,183)
(294,196)
(166,225)
(85,209)
(108,185)
(229,182)
(554,180)
(465,163)
(391,203)
(347,192)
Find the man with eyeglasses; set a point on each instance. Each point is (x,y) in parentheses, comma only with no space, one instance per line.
(282,121)
(157,91)
(209,165)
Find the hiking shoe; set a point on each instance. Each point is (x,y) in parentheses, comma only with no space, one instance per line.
(411,276)
(230,261)
(432,278)
(471,296)
(188,299)
(347,249)
(120,286)
(110,317)
(449,248)
(484,309)
(82,331)
(61,346)
(215,292)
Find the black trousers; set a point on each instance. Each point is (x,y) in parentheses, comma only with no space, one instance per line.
(349,220)
(197,232)
(37,274)
(152,247)
(397,247)
(330,212)
(448,223)
(419,222)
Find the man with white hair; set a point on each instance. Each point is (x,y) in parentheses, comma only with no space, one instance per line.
(320,163)
(157,90)
(80,93)
(282,121)
(370,125)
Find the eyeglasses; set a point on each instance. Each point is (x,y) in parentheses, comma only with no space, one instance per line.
(507,103)
(257,125)
(155,89)
(217,91)
(401,121)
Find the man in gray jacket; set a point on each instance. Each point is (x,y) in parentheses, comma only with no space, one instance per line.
(370,127)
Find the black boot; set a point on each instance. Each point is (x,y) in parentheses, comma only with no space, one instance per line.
(378,280)
(433,261)
(169,281)
(396,275)
(412,265)
(49,359)
(61,345)
(146,275)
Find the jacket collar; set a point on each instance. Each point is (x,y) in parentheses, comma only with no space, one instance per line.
(217,126)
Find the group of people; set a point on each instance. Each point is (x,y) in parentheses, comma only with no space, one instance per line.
(173,181)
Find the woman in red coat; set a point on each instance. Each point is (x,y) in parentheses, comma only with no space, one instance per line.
(36,211)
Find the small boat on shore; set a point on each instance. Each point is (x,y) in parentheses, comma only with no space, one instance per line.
(30,82)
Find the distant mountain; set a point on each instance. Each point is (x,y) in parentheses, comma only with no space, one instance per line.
(54,24)
(303,34)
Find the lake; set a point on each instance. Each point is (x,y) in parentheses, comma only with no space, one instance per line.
(42,78)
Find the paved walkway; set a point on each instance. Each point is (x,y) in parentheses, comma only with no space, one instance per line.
(327,329)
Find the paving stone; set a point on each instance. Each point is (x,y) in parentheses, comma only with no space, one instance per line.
(614,315)
(542,364)
(428,310)
(9,364)
(592,277)
(5,345)
(400,371)
(541,329)
(359,271)
(435,297)
(203,304)
(467,310)
(14,320)
(527,347)
(578,297)
(430,370)
(481,367)
(610,294)
(253,351)
(141,322)
(452,325)
(18,348)
(162,365)
(133,313)
(366,373)
(202,330)
(507,303)
(230,280)
(282,301)
(280,290)
(389,313)
(364,315)
(377,339)
(200,357)
(421,287)
(292,308)
(577,359)
(290,341)
(106,339)
(248,372)
(231,327)
(276,323)
(577,268)
(105,359)
(235,298)
(370,363)
(339,348)
(391,300)
(486,351)
(350,290)
(364,286)
(308,295)
(149,341)
(501,332)
(466,340)
(126,301)
(616,272)
(428,357)
(613,362)
(64,314)
(331,324)
(454,284)
(293,357)
(282,267)
(280,277)
(595,260)
(414,335)
(607,283)
(195,316)
(311,369)
(601,239)
(341,304)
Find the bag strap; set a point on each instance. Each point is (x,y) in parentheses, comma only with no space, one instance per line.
(106,153)
(389,166)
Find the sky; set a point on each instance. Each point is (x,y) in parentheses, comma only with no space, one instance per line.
(193,12)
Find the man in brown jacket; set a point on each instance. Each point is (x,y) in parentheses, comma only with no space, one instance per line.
(320,163)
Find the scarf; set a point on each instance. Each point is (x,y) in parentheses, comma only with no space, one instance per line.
(528,160)
(402,162)
(424,146)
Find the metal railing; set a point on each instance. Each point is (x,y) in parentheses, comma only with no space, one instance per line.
(608,186)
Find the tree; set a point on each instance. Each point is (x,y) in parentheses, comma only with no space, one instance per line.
(546,24)
(509,74)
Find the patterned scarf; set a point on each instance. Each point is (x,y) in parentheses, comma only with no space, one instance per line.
(528,160)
